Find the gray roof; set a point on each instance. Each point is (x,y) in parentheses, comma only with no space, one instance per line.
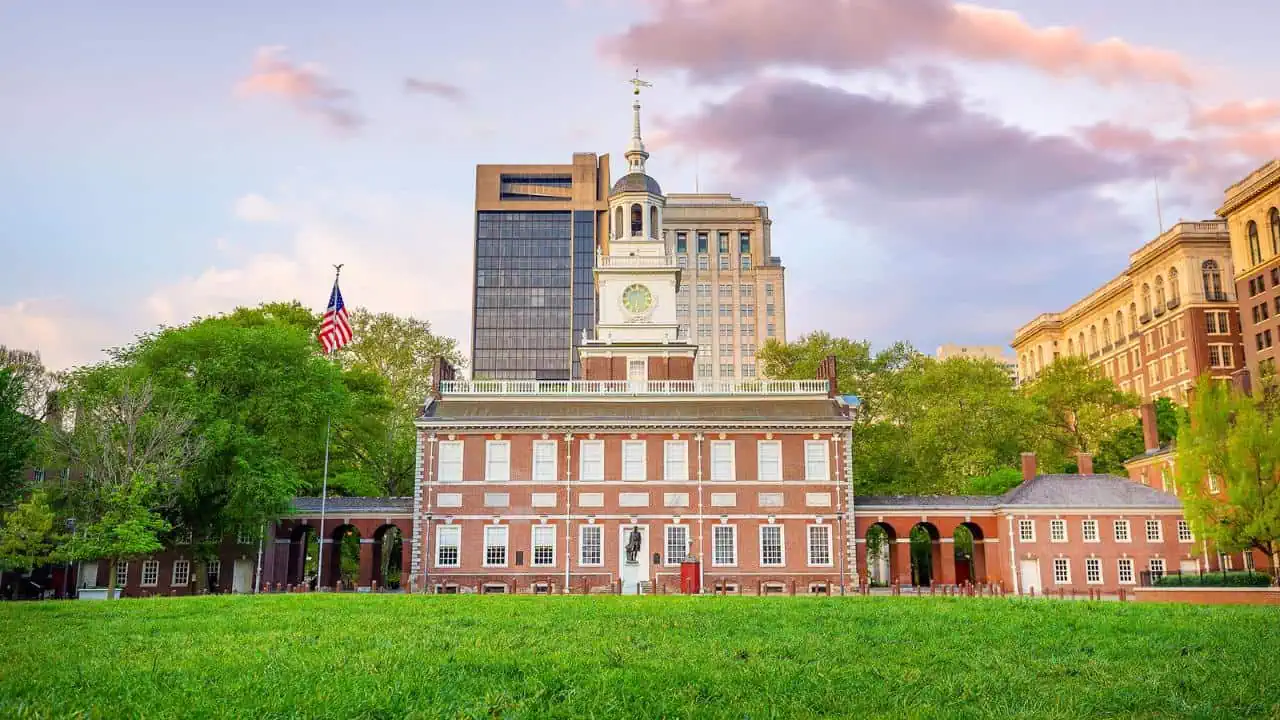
(930,501)
(586,411)
(636,182)
(1087,491)
(350,505)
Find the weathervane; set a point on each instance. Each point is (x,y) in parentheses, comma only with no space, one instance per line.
(637,83)
(338,269)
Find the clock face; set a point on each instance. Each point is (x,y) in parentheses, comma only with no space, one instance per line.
(637,299)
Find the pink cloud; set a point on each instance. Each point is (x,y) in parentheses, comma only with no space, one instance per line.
(306,86)
(436,88)
(712,39)
(1238,113)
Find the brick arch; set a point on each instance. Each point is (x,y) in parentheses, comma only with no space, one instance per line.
(934,572)
(378,553)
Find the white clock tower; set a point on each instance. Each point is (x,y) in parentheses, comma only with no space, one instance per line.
(637,331)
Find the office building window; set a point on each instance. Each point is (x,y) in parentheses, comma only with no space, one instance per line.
(744,262)
(722,242)
(724,262)
(744,241)
(726,291)
(748,370)
(704,263)
(702,243)
(682,261)
(704,330)
(770,331)
(682,242)
(726,311)
(726,370)
(745,290)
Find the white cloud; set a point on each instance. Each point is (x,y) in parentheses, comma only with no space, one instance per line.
(53,328)
(257,209)
(403,257)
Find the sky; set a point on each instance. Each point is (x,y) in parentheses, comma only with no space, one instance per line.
(936,171)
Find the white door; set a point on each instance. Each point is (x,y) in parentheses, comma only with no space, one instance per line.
(242,577)
(633,573)
(637,375)
(88,576)
(1030,576)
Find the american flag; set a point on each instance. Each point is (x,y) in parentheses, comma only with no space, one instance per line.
(335,328)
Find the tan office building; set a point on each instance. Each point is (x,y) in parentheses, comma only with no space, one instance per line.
(980,352)
(1156,327)
(1252,212)
(731,298)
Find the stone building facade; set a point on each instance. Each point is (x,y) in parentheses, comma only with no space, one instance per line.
(1251,210)
(1170,317)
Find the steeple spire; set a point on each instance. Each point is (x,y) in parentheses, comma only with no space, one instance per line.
(636,154)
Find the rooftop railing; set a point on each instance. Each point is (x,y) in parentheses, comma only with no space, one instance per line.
(635,261)
(633,387)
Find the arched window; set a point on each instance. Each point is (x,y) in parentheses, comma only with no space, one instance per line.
(653,221)
(1212,280)
(1255,248)
(1071,346)
(1146,301)
(1083,351)
(1175,293)
(617,223)
(1133,317)
(1106,332)
(1275,231)
(1040,357)
(1093,338)
(1159,294)
(1119,325)
(1024,366)
(637,220)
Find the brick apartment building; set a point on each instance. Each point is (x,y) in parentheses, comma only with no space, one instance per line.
(1251,210)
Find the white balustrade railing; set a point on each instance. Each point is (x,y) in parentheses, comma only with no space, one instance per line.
(633,387)
(635,261)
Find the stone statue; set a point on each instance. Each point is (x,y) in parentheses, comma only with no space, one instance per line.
(633,546)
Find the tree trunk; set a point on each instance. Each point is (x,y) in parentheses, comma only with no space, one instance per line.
(111,579)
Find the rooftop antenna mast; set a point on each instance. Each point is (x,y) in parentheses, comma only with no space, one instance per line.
(1159,214)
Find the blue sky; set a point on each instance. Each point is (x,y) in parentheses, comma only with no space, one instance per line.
(935,172)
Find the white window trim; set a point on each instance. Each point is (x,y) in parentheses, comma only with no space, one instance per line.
(683,475)
(596,445)
(666,543)
(440,530)
(760,448)
(448,446)
(1101,573)
(142,578)
(1060,523)
(1054,569)
(555,465)
(1029,522)
(122,568)
(582,545)
(826,460)
(733,470)
(1191,537)
(489,447)
(533,545)
(734,531)
(1128,531)
(173,574)
(1097,531)
(808,546)
(644,464)
(782,542)
(506,554)
(1146,530)
(1133,571)
(1164,566)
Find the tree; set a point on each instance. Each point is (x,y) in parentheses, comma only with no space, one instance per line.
(126,528)
(998,482)
(28,534)
(1129,441)
(860,372)
(131,449)
(17,436)
(1076,409)
(37,382)
(1235,439)
(401,351)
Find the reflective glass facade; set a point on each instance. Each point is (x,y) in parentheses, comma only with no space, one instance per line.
(524,308)
(584,284)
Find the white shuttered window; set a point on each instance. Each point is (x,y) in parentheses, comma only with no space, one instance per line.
(722,460)
(497,461)
(450,469)
(633,460)
(815,460)
(544,460)
(675,458)
(592,452)
(769,460)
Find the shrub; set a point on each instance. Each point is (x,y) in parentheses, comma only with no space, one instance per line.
(1239,578)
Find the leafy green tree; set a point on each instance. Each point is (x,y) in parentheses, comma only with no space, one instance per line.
(17,436)
(37,382)
(1128,441)
(29,534)
(1234,438)
(860,372)
(401,351)
(126,528)
(997,482)
(1076,409)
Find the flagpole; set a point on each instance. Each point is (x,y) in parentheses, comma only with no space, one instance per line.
(324,485)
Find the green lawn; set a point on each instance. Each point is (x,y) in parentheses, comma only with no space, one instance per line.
(612,657)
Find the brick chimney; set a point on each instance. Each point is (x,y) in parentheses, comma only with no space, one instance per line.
(441,371)
(827,370)
(1028,466)
(1150,431)
(1084,463)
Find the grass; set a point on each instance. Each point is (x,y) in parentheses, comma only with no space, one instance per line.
(623,657)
